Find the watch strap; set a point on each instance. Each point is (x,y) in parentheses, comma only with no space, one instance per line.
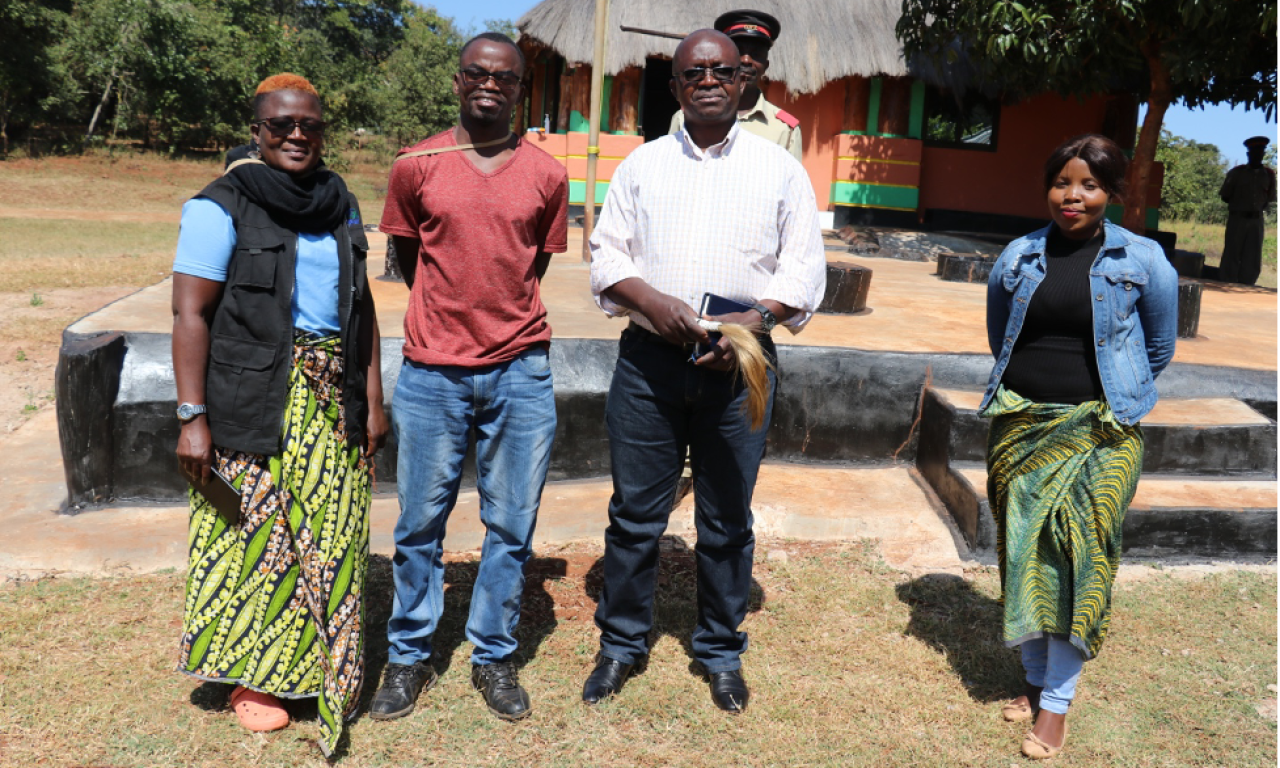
(769,319)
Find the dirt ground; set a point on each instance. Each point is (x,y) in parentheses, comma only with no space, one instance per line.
(29,340)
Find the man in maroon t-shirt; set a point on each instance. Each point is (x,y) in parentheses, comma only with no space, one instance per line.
(476,214)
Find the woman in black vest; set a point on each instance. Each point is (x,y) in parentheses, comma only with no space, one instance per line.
(275,354)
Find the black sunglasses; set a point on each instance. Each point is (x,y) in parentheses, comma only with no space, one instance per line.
(696,74)
(283,126)
(477,76)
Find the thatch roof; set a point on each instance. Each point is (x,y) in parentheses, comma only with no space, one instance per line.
(820,41)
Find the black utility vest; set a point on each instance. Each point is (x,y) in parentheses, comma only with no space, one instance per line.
(251,336)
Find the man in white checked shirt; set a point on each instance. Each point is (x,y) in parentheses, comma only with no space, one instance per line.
(715,209)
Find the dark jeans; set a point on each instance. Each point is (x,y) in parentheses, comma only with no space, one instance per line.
(659,404)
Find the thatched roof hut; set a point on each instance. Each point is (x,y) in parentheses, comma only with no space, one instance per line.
(820,41)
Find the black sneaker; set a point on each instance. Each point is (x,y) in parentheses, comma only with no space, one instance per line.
(501,688)
(401,685)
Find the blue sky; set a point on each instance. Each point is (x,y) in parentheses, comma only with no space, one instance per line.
(1222,126)
(471,14)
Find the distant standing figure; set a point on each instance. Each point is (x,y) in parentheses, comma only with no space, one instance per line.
(1247,191)
(754,32)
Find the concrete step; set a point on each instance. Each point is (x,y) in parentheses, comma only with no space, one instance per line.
(809,502)
(1171,514)
(1197,436)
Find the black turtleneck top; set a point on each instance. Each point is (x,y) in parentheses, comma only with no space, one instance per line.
(1053,360)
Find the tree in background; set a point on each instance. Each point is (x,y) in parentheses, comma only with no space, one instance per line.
(1197,51)
(1193,174)
(416,95)
(29,73)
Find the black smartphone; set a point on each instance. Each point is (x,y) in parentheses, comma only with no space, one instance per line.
(221,494)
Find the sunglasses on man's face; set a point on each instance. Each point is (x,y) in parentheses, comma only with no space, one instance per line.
(506,79)
(283,126)
(695,75)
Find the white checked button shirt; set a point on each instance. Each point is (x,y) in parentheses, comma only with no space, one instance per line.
(737,219)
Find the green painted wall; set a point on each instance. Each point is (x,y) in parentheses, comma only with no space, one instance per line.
(915,123)
(1115,215)
(874,195)
(578,190)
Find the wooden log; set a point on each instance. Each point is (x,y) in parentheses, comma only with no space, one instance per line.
(624,101)
(857,102)
(964,267)
(1189,292)
(847,287)
(895,105)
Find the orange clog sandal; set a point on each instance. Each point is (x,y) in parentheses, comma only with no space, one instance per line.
(259,712)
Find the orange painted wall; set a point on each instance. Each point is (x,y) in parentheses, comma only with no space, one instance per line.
(1008,181)
(820,115)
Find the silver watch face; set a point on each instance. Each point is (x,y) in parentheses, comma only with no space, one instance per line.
(187,411)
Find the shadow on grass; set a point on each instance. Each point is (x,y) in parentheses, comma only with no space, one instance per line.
(952,617)
(675,602)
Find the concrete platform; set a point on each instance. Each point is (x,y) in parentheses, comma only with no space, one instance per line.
(912,311)
(1181,516)
(792,502)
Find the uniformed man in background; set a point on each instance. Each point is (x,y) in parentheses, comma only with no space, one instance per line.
(754,32)
(1247,191)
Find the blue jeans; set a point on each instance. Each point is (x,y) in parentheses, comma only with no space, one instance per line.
(1054,665)
(512,409)
(660,404)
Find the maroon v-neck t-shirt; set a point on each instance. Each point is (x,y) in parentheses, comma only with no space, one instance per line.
(475,299)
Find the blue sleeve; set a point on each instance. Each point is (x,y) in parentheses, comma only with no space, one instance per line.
(1158,311)
(997,305)
(206,240)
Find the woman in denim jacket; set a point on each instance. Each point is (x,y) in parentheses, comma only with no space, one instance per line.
(1081,318)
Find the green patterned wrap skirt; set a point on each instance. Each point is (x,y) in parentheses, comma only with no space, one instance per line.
(274,601)
(1060,479)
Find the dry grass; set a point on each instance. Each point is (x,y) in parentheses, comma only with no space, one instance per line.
(1208,239)
(851,664)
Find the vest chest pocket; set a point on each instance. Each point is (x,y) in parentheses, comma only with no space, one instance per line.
(239,376)
(257,258)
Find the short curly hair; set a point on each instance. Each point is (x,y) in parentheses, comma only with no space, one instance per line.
(285,81)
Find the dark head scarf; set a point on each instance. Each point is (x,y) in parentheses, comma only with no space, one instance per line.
(316,202)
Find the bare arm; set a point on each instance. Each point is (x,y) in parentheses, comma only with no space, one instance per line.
(674,320)
(407,257)
(194,301)
(377,426)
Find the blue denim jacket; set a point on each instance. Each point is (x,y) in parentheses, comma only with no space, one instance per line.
(1135,313)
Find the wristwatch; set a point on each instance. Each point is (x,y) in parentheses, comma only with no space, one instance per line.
(187,412)
(768,320)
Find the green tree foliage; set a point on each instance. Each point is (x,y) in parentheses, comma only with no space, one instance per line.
(29,73)
(1196,51)
(181,73)
(1193,174)
(417,95)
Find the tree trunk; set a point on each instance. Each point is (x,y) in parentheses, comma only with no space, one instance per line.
(1135,203)
(93,121)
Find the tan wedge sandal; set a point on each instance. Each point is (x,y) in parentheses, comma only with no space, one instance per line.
(1037,749)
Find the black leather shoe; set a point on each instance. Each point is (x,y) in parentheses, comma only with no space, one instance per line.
(729,691)
(501,688)
(401,685)
(606,679)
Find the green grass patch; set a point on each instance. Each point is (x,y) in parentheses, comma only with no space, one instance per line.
(39,254)
(851,664)
(1209,238)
